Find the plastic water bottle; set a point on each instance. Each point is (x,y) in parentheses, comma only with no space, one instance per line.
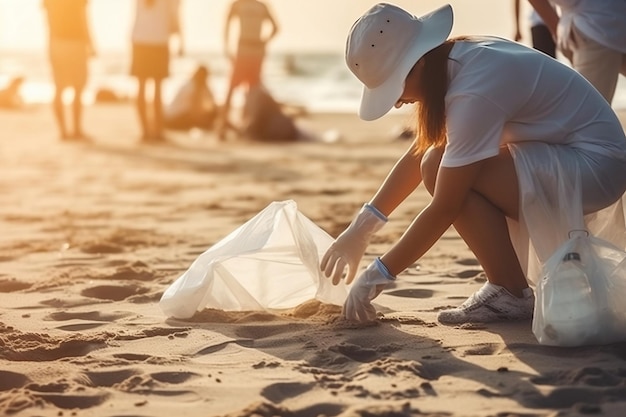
(570,313)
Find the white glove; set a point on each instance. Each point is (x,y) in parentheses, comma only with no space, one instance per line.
(349,247)
(369,285)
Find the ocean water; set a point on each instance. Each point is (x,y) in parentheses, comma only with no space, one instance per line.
(320,82)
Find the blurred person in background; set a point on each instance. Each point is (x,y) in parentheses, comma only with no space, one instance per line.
(156,22)
(10,97)
(69,48)
(194,105)
(266,120)
(592,34)
(247,62)
(541,37)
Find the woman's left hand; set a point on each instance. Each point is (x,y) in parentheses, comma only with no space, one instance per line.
(368,285)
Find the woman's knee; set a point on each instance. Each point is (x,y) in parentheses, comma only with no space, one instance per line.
(430,166)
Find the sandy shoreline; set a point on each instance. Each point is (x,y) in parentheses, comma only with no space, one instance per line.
(93,235)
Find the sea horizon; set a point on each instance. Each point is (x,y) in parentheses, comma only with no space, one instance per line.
(318,81)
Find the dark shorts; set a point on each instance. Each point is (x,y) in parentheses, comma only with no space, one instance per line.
(542,40)
(150,61)
(247,70)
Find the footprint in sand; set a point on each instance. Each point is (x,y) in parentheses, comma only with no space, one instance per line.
(355,352)
(37,347)
(132,274)
(80,327)
(114,292)
(589,376)
(87,315)
(281,391)
(61,393)
(92,319)
(12,380)
(468,262)
(107,378)
(483,349)
(132,357)
(219,346)
(174,377)
(71,401)
(468,273)
(13,285)
(411,293)
(101,248)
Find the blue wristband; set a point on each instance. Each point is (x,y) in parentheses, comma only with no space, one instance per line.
(376,212)
(383,269)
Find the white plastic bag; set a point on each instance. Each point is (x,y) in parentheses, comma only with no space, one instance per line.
(550,208)
(269,262)
(580,298)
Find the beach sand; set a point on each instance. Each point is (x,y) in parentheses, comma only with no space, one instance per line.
(93,234)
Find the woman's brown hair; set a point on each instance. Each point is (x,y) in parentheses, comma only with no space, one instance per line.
(431,111)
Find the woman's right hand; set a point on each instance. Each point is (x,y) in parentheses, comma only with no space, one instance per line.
(348,249)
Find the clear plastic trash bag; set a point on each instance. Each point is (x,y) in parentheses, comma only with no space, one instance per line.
(271,262)
(574,261)
(580,298)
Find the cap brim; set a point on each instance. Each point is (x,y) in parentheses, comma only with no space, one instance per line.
(376,102)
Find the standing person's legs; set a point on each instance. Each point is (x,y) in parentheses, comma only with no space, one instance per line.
(237,70)
(149,62)
(59,111)
(79,73)
(77,108)
(159,71)
(598,64)
(157,103)
(56,51)
(223,120)
(142,108)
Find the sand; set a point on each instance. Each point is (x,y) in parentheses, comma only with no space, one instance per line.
(93,234)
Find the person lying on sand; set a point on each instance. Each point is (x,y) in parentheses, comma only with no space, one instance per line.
(193,105)
(10,97)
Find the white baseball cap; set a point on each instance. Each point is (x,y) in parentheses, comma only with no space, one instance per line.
(382,47)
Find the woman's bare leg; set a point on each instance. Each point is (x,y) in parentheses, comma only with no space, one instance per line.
(482,223)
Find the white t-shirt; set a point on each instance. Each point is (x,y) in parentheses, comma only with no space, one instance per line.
(604,21)
(155,23)
(504,92)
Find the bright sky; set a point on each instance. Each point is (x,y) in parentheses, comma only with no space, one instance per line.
(319,25)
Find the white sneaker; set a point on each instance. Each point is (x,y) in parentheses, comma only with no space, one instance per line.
(491,303)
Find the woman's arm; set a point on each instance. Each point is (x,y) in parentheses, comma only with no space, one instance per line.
(401,181)
(273,25)
(547,13)
(451,191)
